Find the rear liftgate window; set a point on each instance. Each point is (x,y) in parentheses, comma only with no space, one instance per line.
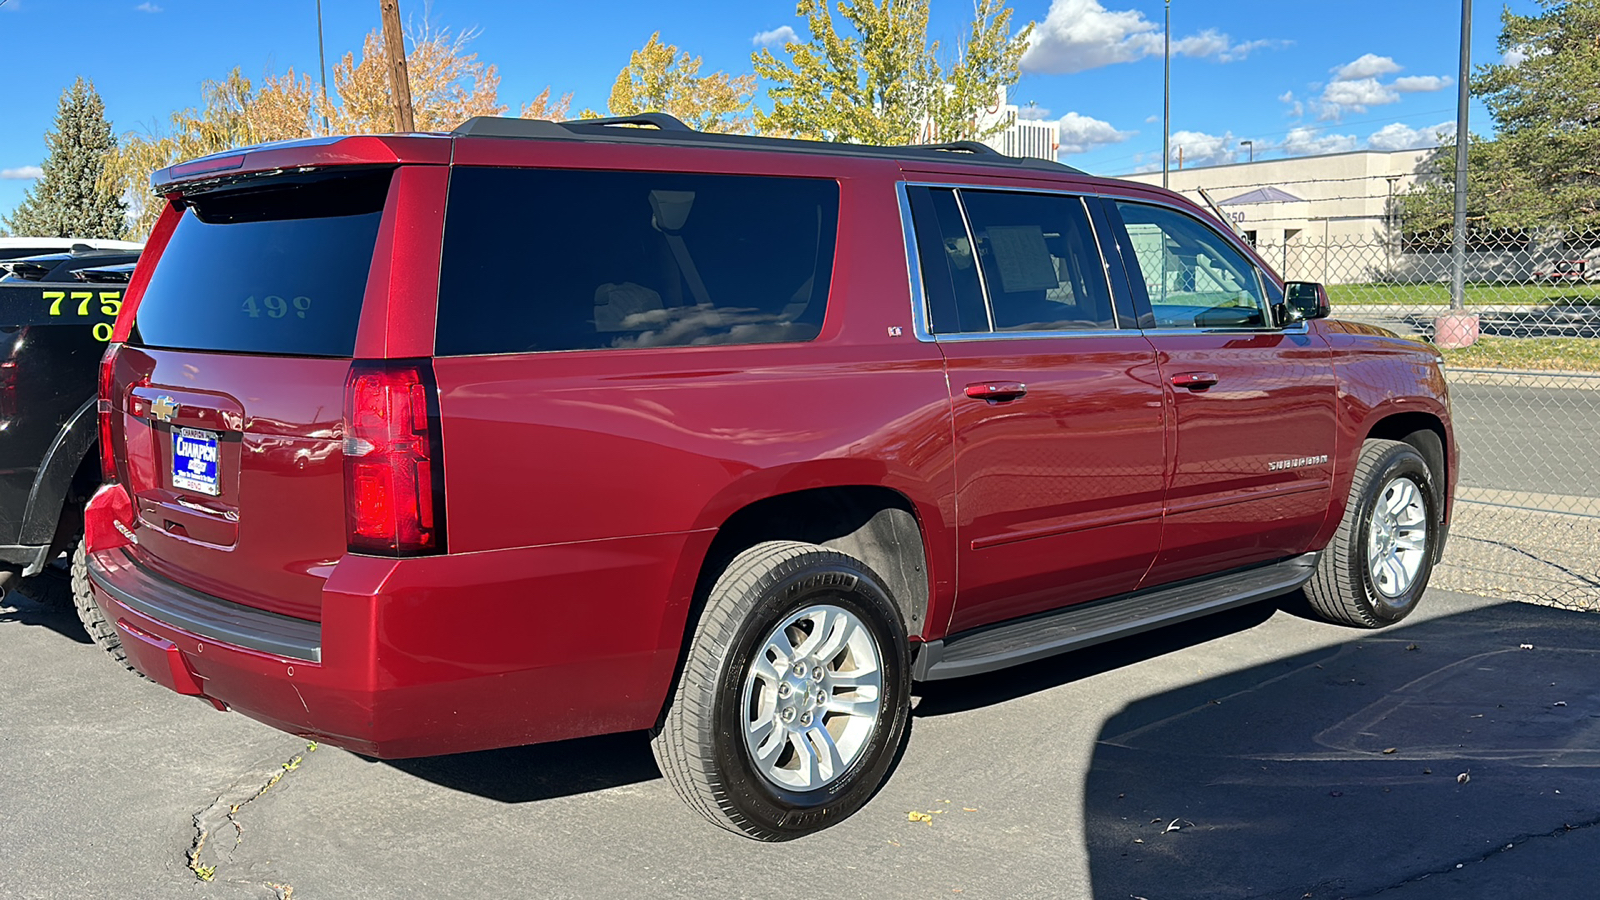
(568,260)
(276,268)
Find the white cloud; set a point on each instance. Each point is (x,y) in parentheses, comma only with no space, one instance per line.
(1151,120)
(21,173)
(1296,107)
(1243,50)
(1083,133)
(1367,66)
(1343,96)
(148,7)
(1201,149)
(1416,84)
(1077,35)
(1356,88)
(1032,113)
(1516,56)
(777,37)
(1312,142)
(1398,136)
(1207,43)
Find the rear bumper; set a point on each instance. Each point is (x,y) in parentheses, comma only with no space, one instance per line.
(430,655)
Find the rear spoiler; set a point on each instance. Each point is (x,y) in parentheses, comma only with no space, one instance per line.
(302,155)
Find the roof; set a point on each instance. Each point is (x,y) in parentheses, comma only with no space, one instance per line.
(1263,195)
(662,129)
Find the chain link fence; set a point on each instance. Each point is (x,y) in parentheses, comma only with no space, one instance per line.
(1523,361)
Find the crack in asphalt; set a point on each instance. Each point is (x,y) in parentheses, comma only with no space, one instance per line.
(224,810)
(1507,847)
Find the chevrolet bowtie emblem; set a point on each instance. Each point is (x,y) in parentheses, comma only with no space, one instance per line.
(164,408)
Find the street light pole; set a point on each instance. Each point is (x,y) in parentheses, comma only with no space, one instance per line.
(323,61)
(1252,146)
(1458,241)
(1166,97)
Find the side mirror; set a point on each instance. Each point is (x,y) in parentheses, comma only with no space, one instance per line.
(1308,298)
(1284,315)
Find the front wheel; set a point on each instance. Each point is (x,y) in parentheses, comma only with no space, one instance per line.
(794,696)
(1376,567)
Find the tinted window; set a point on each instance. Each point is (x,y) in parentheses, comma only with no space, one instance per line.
(1040,263)
(1195,279)
(568,260)
(278,269)
(949,274)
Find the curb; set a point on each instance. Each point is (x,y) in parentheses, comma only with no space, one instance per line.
(1581,381)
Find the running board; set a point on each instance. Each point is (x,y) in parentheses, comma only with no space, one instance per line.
(1036,637)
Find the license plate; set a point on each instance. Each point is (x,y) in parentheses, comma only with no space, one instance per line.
(195,460)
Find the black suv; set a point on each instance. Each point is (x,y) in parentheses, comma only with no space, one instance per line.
(56,313)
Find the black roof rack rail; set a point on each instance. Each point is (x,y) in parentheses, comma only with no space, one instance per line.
(664,130)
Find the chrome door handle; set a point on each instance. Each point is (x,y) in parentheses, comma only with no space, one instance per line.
(1194,381)
(997,391)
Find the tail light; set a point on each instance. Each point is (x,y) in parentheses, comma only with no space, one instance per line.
(108,367)
(393,471)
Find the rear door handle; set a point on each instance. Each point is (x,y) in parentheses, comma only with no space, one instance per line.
(997,391)
(1194,381)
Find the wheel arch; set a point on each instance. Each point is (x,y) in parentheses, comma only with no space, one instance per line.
(875,524)
(878,525)
(69,469)
(1427,434)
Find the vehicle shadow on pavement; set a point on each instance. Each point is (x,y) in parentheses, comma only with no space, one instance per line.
(939,698)
(18,607)
(1453,757)
(541,771)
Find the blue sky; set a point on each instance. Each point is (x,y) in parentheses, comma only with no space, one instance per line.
(1294,77)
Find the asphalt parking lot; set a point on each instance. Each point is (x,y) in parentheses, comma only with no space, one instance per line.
(1255,754)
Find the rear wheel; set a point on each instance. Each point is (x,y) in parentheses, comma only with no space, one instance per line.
(794,696)
(1377,566)
(101,631)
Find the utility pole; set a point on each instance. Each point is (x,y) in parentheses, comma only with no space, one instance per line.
(323,61)
(394,45)
(1166,97)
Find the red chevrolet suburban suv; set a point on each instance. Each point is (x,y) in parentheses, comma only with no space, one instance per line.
(420,444)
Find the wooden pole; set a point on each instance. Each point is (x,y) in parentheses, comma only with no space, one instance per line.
(394,45)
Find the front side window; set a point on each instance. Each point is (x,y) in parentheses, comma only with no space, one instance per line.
(542,259)
(1194,278)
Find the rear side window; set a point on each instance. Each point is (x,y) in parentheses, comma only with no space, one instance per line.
(1040,262)
(539,259)
(949,270)
(276,269)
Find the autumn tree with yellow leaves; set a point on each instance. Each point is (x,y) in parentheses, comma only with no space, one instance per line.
(449,84)
(658,78)
(872,76)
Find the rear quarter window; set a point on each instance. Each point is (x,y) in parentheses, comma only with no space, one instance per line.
(539,260)
(277,269)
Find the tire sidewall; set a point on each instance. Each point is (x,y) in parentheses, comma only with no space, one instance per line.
(1402,461)
(830,578)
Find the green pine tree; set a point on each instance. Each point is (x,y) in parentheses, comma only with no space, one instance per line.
(69,199)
